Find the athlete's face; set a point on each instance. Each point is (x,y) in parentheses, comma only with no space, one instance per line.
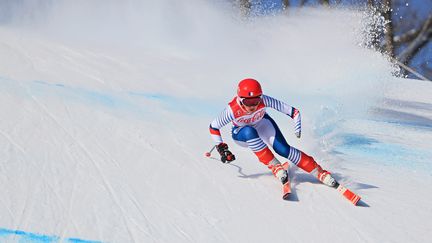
(250,109)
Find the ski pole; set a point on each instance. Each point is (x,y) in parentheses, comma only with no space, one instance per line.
(208,154)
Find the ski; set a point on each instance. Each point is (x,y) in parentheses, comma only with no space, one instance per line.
(345,192)
(286,189)
(348,194)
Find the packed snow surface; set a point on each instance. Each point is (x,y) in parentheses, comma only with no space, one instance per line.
(105,108)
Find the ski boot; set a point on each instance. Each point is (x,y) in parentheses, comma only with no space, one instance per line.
(281,172)
(326,178)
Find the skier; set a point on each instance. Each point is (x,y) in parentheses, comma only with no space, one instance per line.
(254,128)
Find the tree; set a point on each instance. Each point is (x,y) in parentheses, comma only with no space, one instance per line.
(388,29)
(245,7)
(417,39)
(408,43)
(285,4)
(302,3)
(325,2)
(402,40)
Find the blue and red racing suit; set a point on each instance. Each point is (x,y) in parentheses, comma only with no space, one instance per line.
(257,130)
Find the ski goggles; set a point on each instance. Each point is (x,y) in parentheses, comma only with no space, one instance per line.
(254,101)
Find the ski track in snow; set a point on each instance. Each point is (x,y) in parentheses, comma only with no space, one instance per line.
(25,209)
(22,215)
(104,178)
(327,196)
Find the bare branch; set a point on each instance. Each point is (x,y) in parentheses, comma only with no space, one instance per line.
(411,70)
(406,37)
(422,39)
(426,70)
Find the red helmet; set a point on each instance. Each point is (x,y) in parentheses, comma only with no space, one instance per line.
(249,88)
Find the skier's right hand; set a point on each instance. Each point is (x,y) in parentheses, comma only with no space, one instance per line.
(226,155)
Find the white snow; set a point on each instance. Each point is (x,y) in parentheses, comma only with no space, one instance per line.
(105,113)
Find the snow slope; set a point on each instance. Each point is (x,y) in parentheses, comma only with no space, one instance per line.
(105,113)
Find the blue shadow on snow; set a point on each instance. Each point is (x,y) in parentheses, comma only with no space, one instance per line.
(389,154)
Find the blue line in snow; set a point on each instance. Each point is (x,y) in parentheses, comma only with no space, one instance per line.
(186,105)
(74,240)
(40,88)
(27,237)
(134,101)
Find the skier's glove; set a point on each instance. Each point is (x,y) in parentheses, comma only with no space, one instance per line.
(226,155)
